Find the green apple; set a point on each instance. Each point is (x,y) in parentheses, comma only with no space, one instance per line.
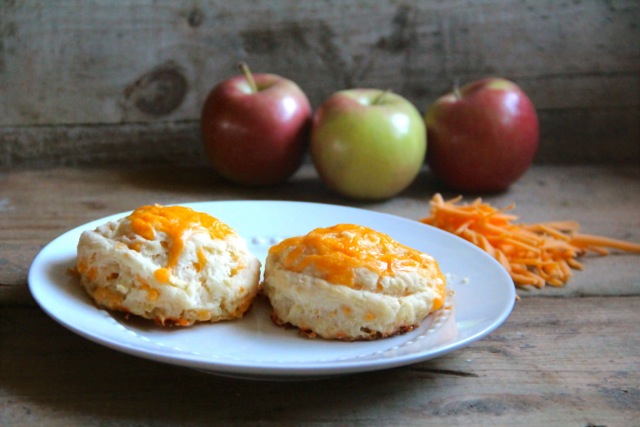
(367,143)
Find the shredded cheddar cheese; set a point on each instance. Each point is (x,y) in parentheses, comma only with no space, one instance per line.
(533,254)
(176,222)
(336,252)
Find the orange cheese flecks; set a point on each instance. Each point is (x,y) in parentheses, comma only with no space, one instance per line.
(162,275)
(202,260)
(107,297)
(176,222)
(337,252)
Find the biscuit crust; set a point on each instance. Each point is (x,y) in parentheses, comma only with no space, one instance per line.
(348,282)
(169,264)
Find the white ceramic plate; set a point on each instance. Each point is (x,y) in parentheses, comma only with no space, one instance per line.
(253,347)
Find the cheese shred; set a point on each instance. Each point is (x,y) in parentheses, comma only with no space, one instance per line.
(533,254)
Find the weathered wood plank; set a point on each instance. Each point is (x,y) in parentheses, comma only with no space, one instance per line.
(75,62)
(554,362)
(37,206)
(120,64)
(584,136)
(166,143)
(590,136)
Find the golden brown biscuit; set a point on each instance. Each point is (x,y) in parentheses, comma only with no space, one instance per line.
(350,282)
(170,264)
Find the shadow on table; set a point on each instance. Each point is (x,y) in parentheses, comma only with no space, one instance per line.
(56,374)
(204,184)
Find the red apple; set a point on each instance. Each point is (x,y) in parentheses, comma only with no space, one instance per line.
(367,144)
(255,128)
(482,137)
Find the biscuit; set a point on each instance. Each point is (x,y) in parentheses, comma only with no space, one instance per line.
(349,282)
(170,264)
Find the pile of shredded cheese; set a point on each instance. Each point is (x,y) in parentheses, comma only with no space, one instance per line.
(533,254)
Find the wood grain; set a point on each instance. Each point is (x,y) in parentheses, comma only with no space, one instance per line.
(99,114)
(554,362)
(565,356)
(84,82)
(36,206)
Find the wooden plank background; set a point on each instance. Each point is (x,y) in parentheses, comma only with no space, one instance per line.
(539,369)
(86,82)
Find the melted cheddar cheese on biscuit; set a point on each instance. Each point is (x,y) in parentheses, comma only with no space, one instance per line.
(169,263)
(350,282)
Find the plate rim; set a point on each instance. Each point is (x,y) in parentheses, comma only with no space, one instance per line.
(246,369)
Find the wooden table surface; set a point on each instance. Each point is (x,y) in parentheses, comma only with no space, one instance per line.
(566,356)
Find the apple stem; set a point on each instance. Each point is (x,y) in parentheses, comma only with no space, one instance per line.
(247,74)
(378,99)
(456,89)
